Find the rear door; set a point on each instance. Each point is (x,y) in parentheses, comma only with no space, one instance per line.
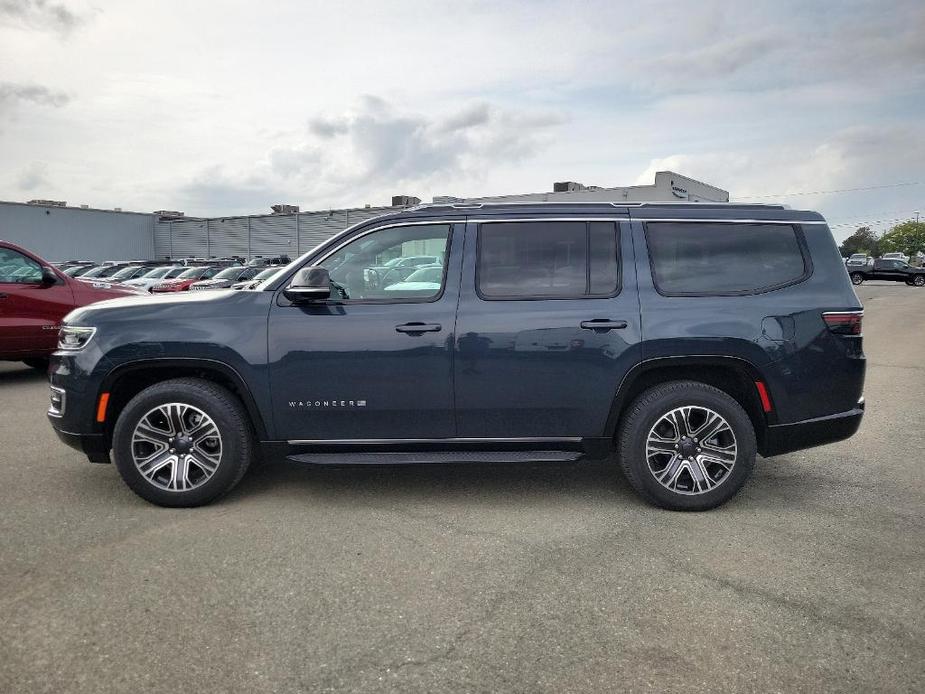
(547,326)
(30,312)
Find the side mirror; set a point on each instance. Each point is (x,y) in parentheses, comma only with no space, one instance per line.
(48,276)
(309,284)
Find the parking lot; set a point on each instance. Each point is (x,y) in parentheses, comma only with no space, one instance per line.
(476,578)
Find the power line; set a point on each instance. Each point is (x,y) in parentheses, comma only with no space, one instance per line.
(829,192)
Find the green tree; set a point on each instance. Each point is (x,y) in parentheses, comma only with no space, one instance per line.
(862,241)
(907,238)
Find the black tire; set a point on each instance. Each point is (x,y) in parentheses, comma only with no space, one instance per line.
(643,414)
(856,278)
(37,363)
(919,281)
(230,418)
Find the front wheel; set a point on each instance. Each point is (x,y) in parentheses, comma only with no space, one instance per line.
(919,281)
(183,442)
(856,278)
(686,446)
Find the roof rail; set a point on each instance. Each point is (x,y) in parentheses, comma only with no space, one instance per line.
(552,203)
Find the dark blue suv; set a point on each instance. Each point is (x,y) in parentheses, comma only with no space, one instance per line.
(681,340)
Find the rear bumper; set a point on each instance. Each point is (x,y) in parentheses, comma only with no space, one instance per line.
(785,438)
(94,446)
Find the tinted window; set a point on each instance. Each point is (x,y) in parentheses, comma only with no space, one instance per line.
(548,259)
(711,258)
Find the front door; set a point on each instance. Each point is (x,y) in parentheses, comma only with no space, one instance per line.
(376,360)
(30,311)
(548,325)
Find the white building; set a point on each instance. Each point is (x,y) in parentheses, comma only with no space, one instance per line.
(669,186)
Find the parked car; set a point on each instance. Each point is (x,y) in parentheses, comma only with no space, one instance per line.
(34,298)
(154,276)
(129,273)
(103,273)
(226,278)
(78,270)
(891,271)
(261,261)
(895,256)
(257,279)
(858,260)
(677,340)
(185,279)
(425,279)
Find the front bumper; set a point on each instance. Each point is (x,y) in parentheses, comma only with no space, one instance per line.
(94,446)
(785,438)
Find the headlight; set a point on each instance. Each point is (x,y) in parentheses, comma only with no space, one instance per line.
(73,338)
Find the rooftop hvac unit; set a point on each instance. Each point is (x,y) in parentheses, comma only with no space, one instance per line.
(169,213)
(405,201)
(285,209)
(48,203)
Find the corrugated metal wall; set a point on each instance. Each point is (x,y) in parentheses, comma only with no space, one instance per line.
(267,235)
(65,233)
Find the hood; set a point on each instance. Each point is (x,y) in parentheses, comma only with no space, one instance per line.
(150,309)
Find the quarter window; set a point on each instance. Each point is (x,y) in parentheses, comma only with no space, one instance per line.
(394,264)
(547,260)
(15,268)
(690,258)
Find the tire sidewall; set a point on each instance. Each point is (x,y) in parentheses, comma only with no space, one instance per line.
(637,433)
(856,278)
(235,447)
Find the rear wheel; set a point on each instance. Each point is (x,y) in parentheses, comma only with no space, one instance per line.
(856,278)
(919,281)
(686,446)
(183,442)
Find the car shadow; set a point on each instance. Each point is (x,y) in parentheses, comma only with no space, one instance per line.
(14,372)
(591,481)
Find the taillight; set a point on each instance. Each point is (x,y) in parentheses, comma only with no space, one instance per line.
(844,322)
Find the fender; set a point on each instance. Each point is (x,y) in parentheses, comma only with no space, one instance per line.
(738,364)
(226,370)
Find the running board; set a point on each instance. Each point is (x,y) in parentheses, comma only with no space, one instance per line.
(405,458)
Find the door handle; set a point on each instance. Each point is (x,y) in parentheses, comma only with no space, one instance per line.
(419,328)
(602,324)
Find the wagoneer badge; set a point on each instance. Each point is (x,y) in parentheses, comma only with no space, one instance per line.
(326,403)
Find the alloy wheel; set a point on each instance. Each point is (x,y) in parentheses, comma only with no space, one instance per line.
(691,450)
(176,447)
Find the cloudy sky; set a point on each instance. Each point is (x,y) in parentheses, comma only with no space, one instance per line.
(227,107)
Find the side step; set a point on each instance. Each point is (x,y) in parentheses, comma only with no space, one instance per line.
(405,458)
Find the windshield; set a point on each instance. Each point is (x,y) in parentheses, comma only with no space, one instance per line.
(99,271)
(125,273)
(192,273)
(229,273)
(265,274)
(157,272)
(71,271)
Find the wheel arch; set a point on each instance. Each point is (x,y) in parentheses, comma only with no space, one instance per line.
(733,375)
(129,379)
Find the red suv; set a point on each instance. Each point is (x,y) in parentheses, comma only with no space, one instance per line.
(34,297)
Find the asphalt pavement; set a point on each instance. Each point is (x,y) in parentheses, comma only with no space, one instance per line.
(476,578)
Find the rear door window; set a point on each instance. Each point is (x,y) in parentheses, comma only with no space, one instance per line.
(555,260)
(697,258)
